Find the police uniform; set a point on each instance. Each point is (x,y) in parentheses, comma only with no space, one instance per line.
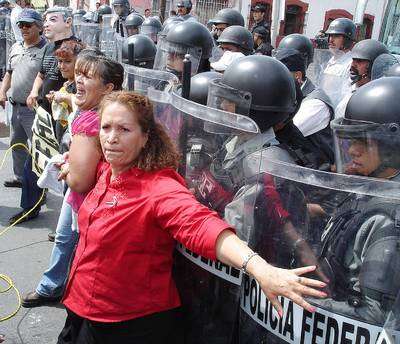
(264,24)
(360,257)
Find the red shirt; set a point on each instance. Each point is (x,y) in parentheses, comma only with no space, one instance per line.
(123,262)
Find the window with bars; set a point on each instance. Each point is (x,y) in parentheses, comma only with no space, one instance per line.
(207,9)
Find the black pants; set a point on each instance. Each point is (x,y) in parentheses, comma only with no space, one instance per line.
(159,328)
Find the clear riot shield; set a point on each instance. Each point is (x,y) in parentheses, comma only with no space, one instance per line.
(335,86)
(316,68)
(348,227)
(89,33)
(107,33)
(3,45)
(10,39)
(214,144)
(119,42)
(141,79)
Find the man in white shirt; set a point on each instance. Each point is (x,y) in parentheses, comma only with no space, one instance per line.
(363,54)
(315,111)
(335,78)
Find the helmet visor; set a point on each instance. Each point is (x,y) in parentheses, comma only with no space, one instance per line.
(359,144)
(170,56)
(228,99)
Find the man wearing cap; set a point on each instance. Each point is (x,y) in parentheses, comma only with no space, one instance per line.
(259,20)
(22,67)
(57,28)
(260,36)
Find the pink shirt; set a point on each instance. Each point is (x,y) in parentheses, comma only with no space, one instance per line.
(88,124)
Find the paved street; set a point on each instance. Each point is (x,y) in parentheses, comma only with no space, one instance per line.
(24,255)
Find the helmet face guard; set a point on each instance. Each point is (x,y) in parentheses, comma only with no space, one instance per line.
(228,99)
(359,145)
(170,56)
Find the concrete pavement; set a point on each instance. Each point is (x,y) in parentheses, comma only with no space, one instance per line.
(24,255)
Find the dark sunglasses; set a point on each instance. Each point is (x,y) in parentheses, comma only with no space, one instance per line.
(28,25)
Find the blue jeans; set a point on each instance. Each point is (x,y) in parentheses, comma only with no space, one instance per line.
(54,278)
(30,191)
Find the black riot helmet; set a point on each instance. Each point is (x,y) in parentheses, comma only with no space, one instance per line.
(144,51)
(238,36)
(89,17)
(368,49)
(301,43)
(199,85)
(345,27)
(228,16)
(173,19)
(257,86)
(104,9)
(186,4)
(134,20)
(371,124)
(385,65)
(188,37)
(121,7)
(151,27)
(393,70)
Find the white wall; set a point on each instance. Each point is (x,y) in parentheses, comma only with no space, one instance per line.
(317,8)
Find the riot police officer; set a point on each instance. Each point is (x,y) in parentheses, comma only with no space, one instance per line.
(300,43)
(251,74)
(363,55)
(122,9)
(259,12)
(150,27)
(188,37)
(132,23)
(199,85)
(183,8)
(316,111)
(360,245)
(237,39)
(225,18)
(102,11)
(262,47)
(335,78)
(144,51)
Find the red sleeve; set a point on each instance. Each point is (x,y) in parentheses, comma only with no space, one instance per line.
(275,208)
(188,221)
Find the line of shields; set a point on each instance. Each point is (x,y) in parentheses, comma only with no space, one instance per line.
(292,216)
(7,39)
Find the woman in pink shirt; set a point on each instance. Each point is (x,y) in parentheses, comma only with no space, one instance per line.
(120,288)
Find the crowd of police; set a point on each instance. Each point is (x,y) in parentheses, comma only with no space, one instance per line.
(298,152)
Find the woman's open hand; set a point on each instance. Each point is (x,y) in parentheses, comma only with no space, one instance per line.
(288,283)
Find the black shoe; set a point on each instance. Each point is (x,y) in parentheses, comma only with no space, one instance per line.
(33,299)
(51,236)
(18,217)
(12,183)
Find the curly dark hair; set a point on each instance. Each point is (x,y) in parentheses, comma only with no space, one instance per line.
(69,49)
(159,152)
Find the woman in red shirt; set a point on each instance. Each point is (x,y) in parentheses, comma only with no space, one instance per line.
(120,288)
